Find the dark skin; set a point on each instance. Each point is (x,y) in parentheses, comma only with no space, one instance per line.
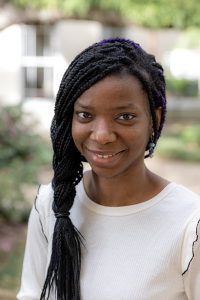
(111,128)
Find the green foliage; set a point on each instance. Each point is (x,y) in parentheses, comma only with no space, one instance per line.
(189,39)
(155,14)
(11,265)
(182,87)
(184,145)
(12,242)
(21,153)
(191,134)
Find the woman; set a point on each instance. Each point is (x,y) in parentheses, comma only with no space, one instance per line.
(118,231)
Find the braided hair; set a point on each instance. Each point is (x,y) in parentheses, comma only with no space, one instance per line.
(112,56)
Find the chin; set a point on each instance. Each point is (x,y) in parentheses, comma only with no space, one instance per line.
(107,172)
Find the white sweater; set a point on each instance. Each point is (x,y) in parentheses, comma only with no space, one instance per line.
(147,251)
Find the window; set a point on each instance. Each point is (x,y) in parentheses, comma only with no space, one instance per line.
(37,52)
(38,82)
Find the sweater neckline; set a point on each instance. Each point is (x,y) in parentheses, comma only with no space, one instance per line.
(121,210)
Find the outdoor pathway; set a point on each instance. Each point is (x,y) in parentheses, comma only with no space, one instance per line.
(185,173)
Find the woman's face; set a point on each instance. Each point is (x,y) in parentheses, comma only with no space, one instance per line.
(112,124)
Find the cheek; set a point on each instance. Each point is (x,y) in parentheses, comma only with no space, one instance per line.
(78,133)
(138,135)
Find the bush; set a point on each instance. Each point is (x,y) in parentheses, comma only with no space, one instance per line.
(21,153)
(182,87)
(184,145)
(191,134)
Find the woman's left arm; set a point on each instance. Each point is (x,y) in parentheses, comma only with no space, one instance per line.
(35,260)
(191,259)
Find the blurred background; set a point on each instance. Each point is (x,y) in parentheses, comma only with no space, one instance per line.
(37,43)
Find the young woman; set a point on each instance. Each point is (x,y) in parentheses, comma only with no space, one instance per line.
(118,231)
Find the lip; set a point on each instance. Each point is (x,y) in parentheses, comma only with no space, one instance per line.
(105,161)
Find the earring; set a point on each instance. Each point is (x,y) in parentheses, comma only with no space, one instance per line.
(151,147)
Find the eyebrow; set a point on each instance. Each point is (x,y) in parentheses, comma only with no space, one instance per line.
(113,109)
(83,106)
(125,107)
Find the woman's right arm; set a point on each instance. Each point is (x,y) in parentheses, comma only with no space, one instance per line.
(35,260)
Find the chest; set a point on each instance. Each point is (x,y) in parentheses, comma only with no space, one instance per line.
(130,261)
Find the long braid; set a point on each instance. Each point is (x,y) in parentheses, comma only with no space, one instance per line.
(107,57)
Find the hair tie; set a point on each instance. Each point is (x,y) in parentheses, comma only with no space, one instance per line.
(62,215)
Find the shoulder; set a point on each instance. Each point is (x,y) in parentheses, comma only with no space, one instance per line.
(44,198)
(187,192)
(184,198)
(43,206)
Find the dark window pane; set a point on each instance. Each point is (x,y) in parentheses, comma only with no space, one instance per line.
(40,78)
(30,77)
(39,45)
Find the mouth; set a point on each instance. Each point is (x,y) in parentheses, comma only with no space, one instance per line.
(104,157)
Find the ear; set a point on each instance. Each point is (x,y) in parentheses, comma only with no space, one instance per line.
(158,118)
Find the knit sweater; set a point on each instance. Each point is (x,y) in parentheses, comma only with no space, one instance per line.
(146,251)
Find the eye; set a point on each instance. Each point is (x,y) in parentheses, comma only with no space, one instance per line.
(126,117)
(83,115)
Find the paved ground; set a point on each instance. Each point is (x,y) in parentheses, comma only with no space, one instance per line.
(185,173)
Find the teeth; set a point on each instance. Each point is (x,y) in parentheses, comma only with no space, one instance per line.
(104,156)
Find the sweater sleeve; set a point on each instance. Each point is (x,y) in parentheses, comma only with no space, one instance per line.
(35,258)
(191,258)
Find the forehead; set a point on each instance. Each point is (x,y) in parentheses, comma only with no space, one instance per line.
(115,90)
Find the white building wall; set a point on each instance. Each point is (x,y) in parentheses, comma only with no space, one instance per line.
(139,35)
(166,38)
(73,36)
(10,65)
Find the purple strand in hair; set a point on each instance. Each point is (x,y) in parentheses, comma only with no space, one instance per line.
(164,114)
(160,71)
(121,40)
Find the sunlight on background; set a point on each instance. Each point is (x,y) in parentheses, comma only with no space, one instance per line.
(185,63)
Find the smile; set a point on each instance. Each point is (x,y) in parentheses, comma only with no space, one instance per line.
(105,157)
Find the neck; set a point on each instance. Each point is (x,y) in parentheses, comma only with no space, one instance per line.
(133,186)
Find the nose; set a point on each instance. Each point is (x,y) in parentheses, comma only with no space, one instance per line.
(102,133)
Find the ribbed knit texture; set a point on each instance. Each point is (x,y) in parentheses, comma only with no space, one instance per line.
(136,252)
